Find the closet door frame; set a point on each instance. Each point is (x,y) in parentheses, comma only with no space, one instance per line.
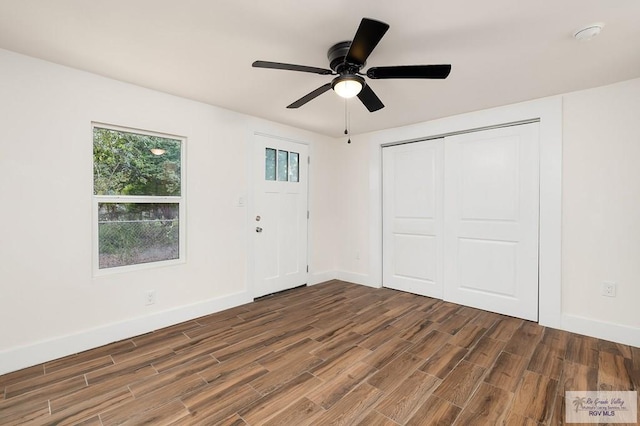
(548,112)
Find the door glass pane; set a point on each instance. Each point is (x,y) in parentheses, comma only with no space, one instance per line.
(270,164)
(283,170)
(294,158)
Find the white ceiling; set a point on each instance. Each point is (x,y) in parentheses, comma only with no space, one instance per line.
(501,51)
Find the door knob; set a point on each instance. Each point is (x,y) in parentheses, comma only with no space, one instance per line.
(258,229)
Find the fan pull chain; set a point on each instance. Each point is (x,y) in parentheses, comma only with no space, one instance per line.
(347,121)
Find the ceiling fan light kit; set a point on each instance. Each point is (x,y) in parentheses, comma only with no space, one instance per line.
(348,85)
(346,60)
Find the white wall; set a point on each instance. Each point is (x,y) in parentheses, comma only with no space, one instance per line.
(601,206)
(600,236)
(354,245)
(323,213)
(50,303)
(54,306)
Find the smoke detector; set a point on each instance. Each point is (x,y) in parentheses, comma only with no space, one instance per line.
(589,32)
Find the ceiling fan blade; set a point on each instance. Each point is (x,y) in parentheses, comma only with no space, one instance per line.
(370,99)
(310,96)
(367,37)
(410,71)
(290,67)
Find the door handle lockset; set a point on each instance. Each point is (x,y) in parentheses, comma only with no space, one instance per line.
(258,229)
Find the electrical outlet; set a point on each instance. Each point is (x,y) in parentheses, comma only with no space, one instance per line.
(150,297)
(609,289)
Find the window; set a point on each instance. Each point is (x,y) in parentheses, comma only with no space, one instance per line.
(138,197)
(283,165)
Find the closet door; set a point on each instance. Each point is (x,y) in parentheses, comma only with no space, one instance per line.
(491,220)
(412,217)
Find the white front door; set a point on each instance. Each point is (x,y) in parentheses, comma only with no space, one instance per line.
(279,221)
(412,217)
(491,220)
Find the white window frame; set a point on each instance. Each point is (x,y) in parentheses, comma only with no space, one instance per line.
(180,200)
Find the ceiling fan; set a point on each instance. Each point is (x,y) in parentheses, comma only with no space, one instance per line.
(347,58)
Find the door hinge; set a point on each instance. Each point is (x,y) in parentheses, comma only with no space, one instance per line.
(307,268)
(309,160)
(307,214)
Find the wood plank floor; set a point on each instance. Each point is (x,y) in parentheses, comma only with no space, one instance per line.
(334,353)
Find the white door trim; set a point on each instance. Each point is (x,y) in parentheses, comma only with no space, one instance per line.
(549,112)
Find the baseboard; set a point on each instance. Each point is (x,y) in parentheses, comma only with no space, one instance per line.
(356,278)
(601,329)
(321,277)
(58,347)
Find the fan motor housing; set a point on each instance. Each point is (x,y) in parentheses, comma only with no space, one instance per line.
(336,55)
